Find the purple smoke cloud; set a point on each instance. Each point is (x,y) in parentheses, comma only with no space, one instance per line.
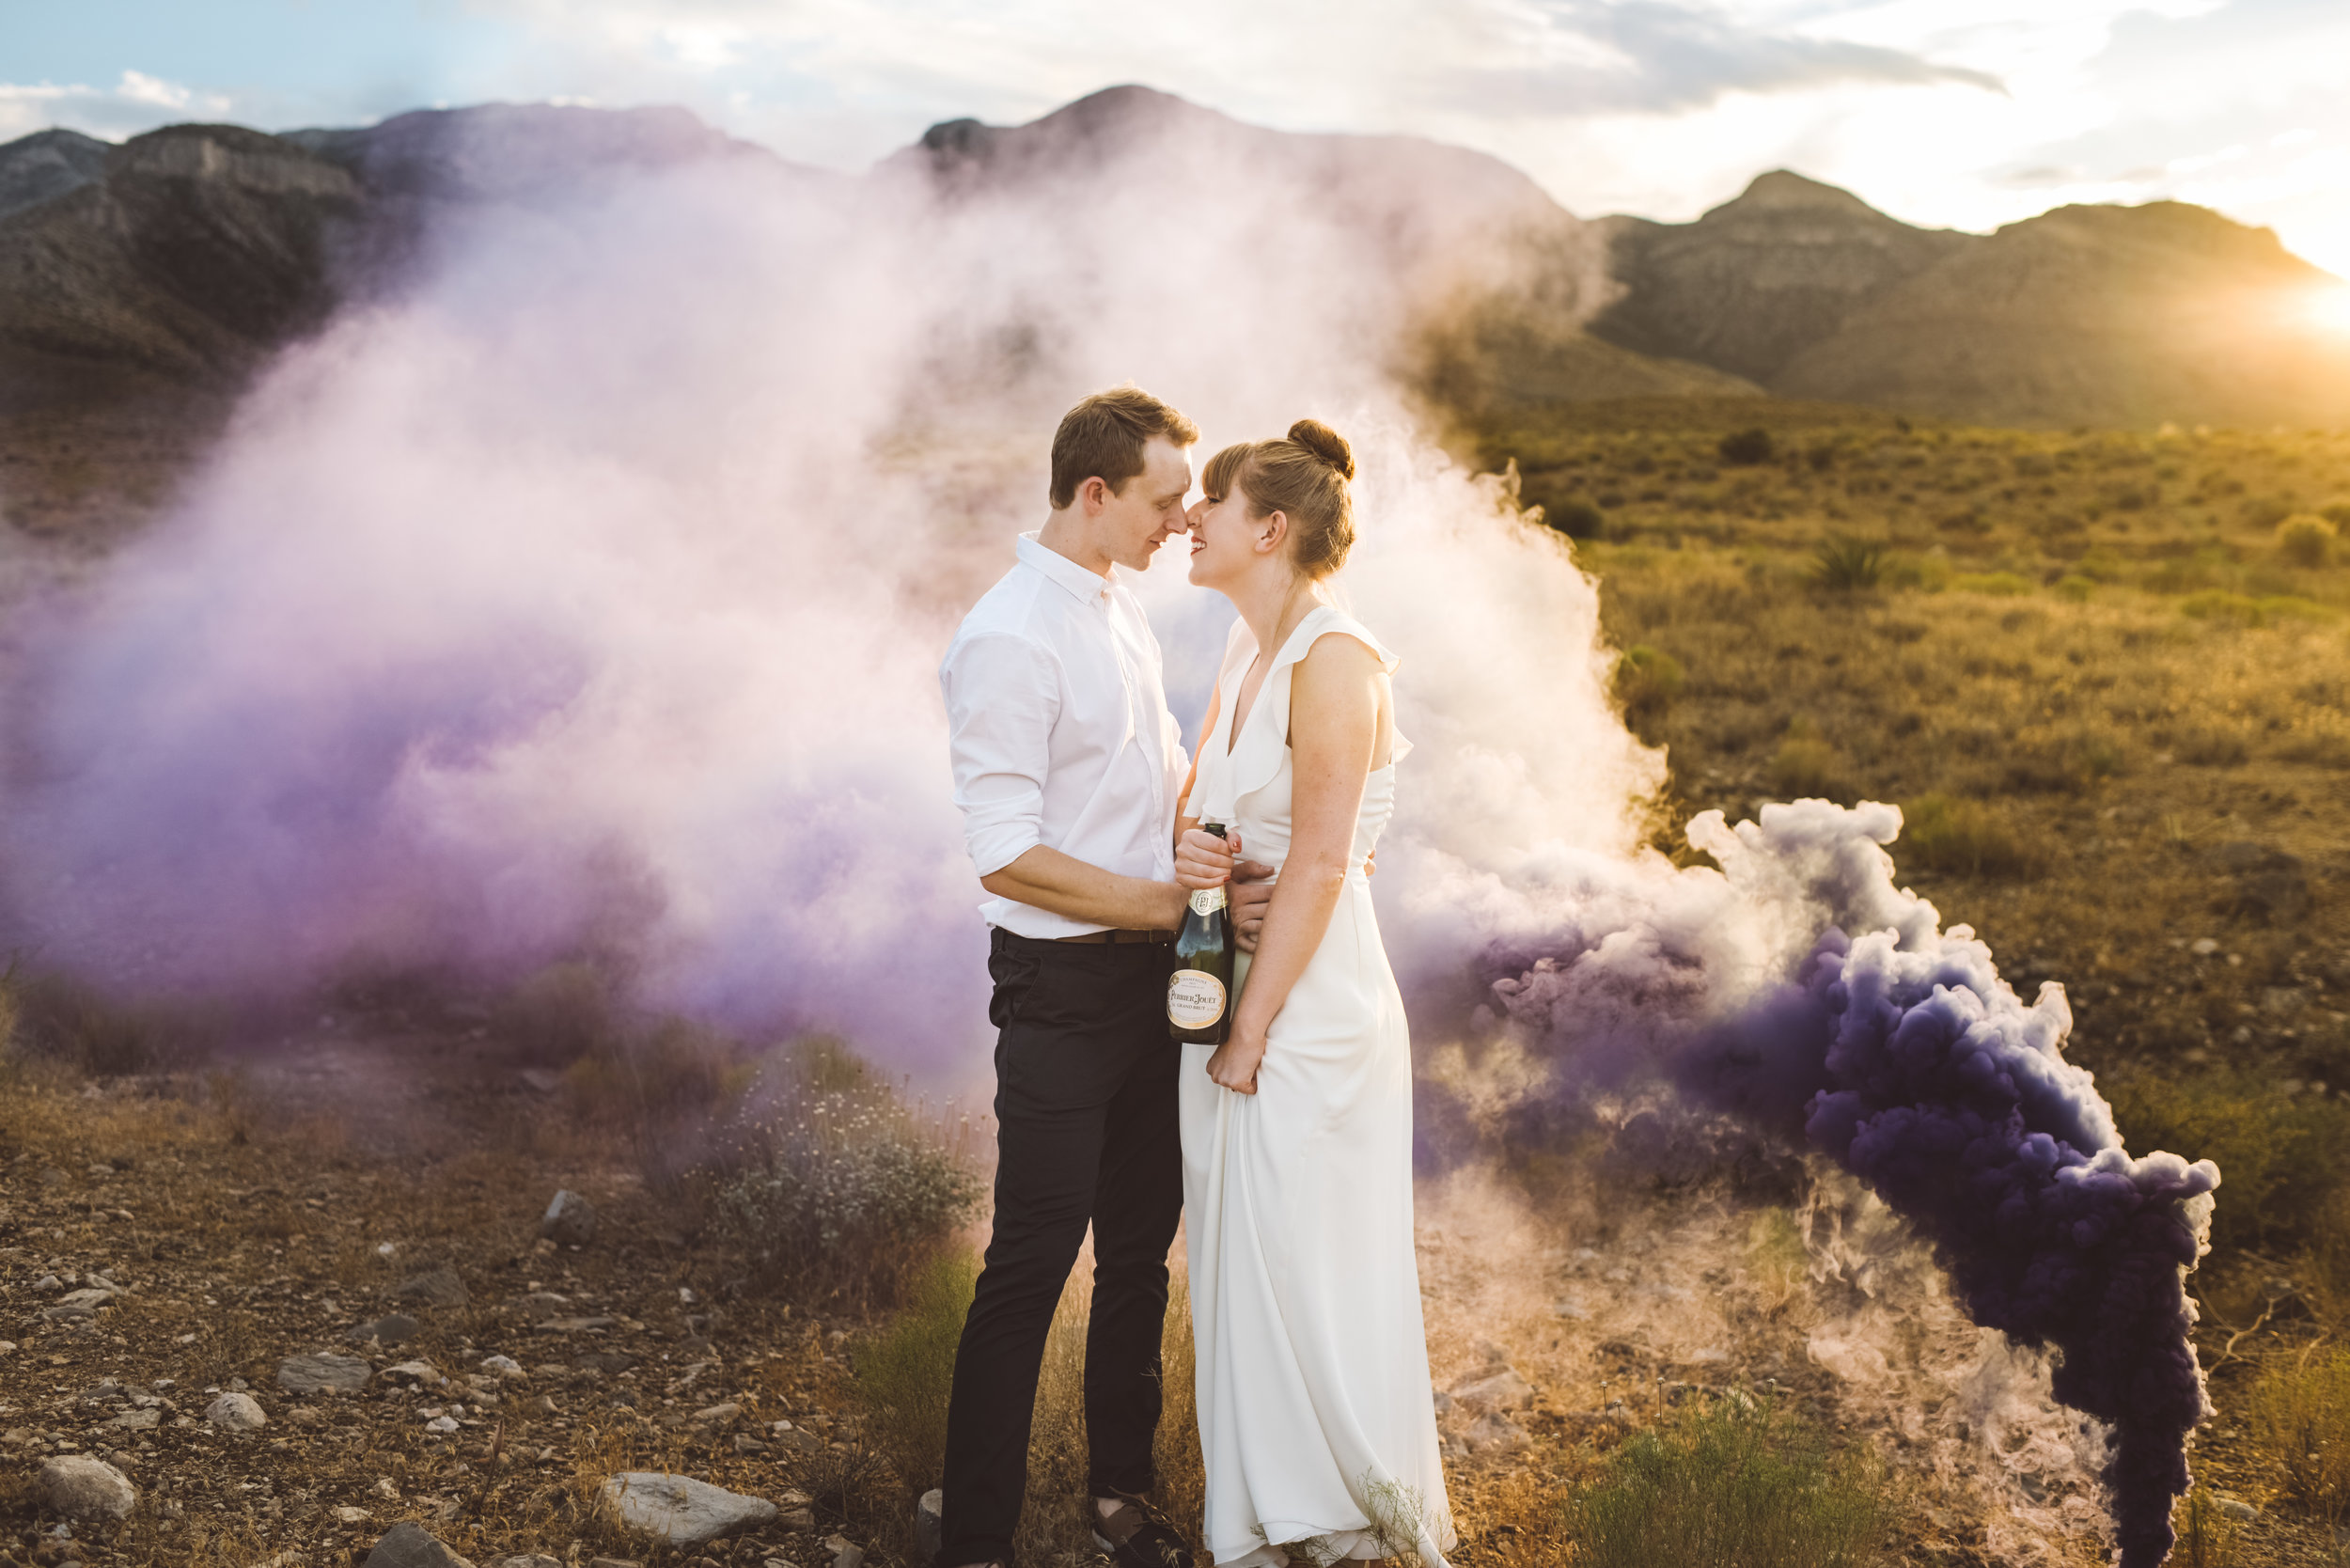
(1902,1054)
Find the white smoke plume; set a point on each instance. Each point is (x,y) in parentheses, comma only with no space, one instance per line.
(583,593)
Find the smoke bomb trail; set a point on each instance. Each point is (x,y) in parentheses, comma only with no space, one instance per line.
(1901,1053)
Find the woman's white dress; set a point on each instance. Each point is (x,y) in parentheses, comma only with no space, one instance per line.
(1316,1418)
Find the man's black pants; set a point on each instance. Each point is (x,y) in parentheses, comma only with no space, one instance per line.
(1086,1130)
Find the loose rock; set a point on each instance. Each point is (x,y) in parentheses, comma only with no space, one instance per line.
(531,1561)
(411,1545)
(845,1552)
(1502,1391)
(929,1522)
(681,1510)
(236,1412)
(81,1487)
(390,1330)
(503,1366)
(423,1373)
(570,1220)
(438,1287)
(321,1374)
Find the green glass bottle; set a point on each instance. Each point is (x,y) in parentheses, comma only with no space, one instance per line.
(1199,992)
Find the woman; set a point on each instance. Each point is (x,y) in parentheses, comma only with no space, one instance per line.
(1316,1419)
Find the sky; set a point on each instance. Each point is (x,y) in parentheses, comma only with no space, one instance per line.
(1964,114)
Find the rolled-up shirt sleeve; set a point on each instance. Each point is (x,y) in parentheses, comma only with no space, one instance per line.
(1003,694)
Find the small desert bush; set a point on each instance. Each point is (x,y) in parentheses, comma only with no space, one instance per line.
(82,1028)
(840,1188)
(905,1373)
(1576,519)
(2301,1413)
(1965,838)
(1731,1486)
(1806,765)
(559,1014)
(1647,681)
(1745,446)
(1996,585)
(2207,1538)
(1844,565)
(2283,1156)
(2305,540)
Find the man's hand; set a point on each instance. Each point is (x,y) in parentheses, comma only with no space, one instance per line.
(1252,892)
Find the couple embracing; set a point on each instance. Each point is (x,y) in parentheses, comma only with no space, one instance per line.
(1289,1146)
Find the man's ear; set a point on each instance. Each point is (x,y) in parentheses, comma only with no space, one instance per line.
(1095,494)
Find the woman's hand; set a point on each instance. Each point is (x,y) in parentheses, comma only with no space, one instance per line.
(1235,1063)
(1204,860)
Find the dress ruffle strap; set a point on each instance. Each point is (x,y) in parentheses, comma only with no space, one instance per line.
(1256,757)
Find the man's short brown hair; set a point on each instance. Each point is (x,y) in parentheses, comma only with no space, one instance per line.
(1102,438)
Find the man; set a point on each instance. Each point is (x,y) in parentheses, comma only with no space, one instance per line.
(1067,768)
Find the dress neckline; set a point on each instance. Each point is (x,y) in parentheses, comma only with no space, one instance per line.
(1233,725)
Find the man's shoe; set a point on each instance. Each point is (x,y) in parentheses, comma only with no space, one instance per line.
(1135,1536)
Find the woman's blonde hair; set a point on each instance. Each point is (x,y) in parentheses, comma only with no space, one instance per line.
(1304,475)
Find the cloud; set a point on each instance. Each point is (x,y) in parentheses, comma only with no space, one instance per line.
(136,102)
(1648,56)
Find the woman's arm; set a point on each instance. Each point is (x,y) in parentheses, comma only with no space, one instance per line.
(1334,732)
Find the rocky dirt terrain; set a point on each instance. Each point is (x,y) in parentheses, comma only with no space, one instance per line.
(288,1330)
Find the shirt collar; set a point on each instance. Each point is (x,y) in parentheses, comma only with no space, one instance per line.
(1081,583)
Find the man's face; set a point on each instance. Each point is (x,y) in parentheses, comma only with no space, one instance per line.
(1134,523)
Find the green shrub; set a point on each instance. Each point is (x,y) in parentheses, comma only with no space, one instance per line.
(1997,584)
(2074,588)
(2305,540)
(65,1020)
(2282,1156)
(1961,836)
(1576,519)
(904,1373)
(2301,1412)
(1647,681)
(841,1189)
(1745,446)
(1731,1486)
(1806,765)
(2207,1538)
(1845,565)
(2238,609)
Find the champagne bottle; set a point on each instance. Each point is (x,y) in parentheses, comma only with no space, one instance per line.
(1199,992)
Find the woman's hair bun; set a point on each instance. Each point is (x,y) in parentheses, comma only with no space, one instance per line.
(1325,443)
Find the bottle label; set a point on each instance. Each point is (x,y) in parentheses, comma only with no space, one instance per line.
(1207,901)
(1195,998)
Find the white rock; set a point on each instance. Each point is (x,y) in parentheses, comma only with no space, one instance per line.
(321,1374)
(237,1412)
(503,1366)
(442,1424)
(1503,1390)
(350,1516)
(681,1510)
(570,1220)
(81,1487)
(414,1372)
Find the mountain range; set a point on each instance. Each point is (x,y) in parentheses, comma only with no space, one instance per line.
(147,281)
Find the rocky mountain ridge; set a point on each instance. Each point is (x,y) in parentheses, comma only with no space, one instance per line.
(2108,316)
(147,281)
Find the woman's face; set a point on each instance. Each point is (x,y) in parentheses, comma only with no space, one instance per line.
(1223,538)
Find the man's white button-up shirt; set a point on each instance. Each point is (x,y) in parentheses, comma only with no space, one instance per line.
(1056,716)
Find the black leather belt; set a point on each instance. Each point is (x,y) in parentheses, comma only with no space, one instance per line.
(1117,936)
